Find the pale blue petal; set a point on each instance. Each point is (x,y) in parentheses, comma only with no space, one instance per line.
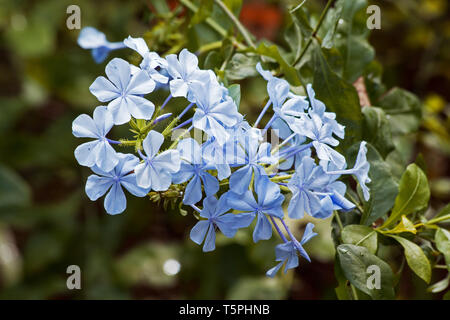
(263,228)
(97,186)
(84,127)
(193,192)
(198,232)
(240,179)
(115,201)
(104,90)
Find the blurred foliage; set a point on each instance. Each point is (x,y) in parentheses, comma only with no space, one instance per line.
(47,223)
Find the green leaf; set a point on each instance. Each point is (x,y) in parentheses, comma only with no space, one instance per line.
(383,188)
(301,20)
(440,285)
(213,60)
(241,66)
(377,130)
(404,110)
(271,51)
(14,191)
(413,196)
(442,239)
(405,225)
(354,233)
(444,211)
(355,261)
(235,93)
(352,41)
(203,12)
(339,97)
(417,260)
(330,24)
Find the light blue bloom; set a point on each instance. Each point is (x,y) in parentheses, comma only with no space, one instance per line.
(293,153)
(360,170)
(91,38)
(287,252)
(307,180)
(98,152)
(183,70)
(291,111)
(318,107)
(194,168)
(321,134)
(121,176)
(269,202)
(157,169)
(278,89)
(215,213)
(250,154)
(151,61)
(212,113)
(124,91)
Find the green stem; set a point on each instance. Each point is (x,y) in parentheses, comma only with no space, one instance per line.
(236,22)
(436,220)
(213,24)
(172,124)
(314,33)
(209,46)
(355,294)
(338,220)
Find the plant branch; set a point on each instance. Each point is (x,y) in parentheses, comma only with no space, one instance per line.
(213,24)
(314,33)
(236,22)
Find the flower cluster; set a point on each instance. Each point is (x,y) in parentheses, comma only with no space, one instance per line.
(232,178)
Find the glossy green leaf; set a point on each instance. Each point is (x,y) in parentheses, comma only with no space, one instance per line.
(354,233)
(241,66)
(417,260)
(414,194)
(404,110)
(377,130)
(405,225)
(440,285)
(355,261)
(442,239)
(235,93)
(271,51)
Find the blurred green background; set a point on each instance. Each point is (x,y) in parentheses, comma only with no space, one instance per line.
(46,221)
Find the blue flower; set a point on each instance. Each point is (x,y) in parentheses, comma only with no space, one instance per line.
(291,111)
(98,184)
(215,213)
(98,152)
(91,38)
(306,181)
(269,202)
(183,71)
(124,91)
(194,168)
(157,169)
(360,170)
(287,252)
(278,89)
(318,107)
(293,153)
(151,61)
(213,113)
(251,154)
